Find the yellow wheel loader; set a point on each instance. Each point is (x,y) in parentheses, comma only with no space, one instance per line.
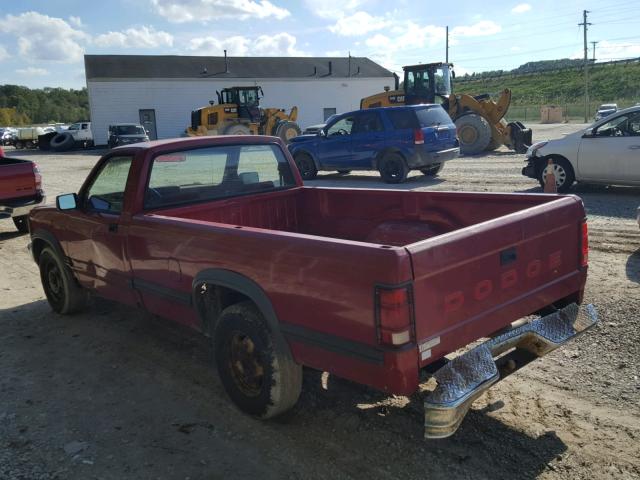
(479,119)
(238,113)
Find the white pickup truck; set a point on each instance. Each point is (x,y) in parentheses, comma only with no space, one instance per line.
(78,134)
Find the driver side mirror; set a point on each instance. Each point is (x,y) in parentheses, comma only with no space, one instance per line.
(322,132)
(68,201)
(589,133)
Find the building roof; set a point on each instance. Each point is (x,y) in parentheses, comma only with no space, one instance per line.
(175,66)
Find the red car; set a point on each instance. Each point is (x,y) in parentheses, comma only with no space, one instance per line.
(376,286)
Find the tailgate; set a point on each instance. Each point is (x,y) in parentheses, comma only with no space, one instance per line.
(474,281)
(17,179)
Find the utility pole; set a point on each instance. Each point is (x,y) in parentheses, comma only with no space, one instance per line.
(447,47)
(586,67)
(594,50)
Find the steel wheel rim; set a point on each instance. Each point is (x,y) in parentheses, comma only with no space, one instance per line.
(559,173)
(468,134)
(245,364)
(55,285)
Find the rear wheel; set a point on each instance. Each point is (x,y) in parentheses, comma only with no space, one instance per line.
(63,293)
(474,133)
(393,168)
(562,170)
(30,144)
(62,142)
(22,223)
(306,166)
(19,145)
(256,371)
(237,129)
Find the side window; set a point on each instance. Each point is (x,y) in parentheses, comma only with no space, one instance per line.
(368,122)
(341,127)
(616,127)
(633,124)
(106,193)
(402,119)
(84,126)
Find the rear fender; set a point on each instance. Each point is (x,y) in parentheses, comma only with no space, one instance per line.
(382,153)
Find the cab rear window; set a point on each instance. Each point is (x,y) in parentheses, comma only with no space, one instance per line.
(432,116)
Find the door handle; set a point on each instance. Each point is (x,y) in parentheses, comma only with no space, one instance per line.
(634,147)
(113,227)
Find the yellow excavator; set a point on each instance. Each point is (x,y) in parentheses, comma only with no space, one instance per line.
(238,112)
(479,119)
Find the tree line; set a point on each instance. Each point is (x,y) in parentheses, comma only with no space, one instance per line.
(25,106)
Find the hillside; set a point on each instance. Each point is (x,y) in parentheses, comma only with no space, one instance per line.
(21,105)
(608,83)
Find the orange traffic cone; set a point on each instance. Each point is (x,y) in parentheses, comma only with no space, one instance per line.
(550,179)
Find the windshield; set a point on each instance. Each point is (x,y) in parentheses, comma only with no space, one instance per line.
(422,83)
(129,130)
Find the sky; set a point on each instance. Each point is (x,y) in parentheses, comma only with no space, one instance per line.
(42,42)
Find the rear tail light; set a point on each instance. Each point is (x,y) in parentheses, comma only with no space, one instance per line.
(394,315)
(418,136)
(584,245)
(37,176)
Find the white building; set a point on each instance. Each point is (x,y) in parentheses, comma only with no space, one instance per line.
(161,91)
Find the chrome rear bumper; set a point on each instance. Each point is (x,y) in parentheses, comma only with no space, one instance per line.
(466,377)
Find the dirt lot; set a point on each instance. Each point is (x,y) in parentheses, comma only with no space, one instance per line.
(115,393)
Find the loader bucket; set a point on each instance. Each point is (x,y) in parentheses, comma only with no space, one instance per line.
(521,137)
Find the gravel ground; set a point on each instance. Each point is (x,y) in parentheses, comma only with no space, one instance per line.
(115,393)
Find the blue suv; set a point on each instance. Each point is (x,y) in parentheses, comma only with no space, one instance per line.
(392,140)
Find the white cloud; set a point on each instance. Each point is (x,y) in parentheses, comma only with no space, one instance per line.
(280,44)
(3,53)
(32,71)
(135,37)
(606,50)
(359,23)
(204,10)
(236,46)
(41,37)
(76,21)
(521,8)
(478,29)
(333,9)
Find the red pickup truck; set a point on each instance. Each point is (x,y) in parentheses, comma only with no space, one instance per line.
(20,190)
(381,287)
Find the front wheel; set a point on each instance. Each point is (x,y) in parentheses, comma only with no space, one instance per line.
(306,166)
(393,168)
(63,293)
(255,368)
(562,170)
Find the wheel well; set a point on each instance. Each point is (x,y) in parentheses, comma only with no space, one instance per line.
(36,248)
(211,300)
(387,150)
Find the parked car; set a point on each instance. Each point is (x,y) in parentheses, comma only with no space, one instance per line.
(126,133)
(20,190)
(607,152)
(605,110)
(8,136)
(314,129)
(392,140)
(376,286)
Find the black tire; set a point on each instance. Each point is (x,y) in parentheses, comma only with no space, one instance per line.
(393,168)
(474,133)
(286,130)
(62,142)
(22,223)
(30,144)
(306,166)
(19,145)
(256,369)
(63,293)
(237,129)
(563,171)
(344,172)
(432,171)
(493,145)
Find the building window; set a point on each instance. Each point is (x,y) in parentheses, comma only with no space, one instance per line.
(327,112)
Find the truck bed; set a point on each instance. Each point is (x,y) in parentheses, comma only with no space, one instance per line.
(383,217)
